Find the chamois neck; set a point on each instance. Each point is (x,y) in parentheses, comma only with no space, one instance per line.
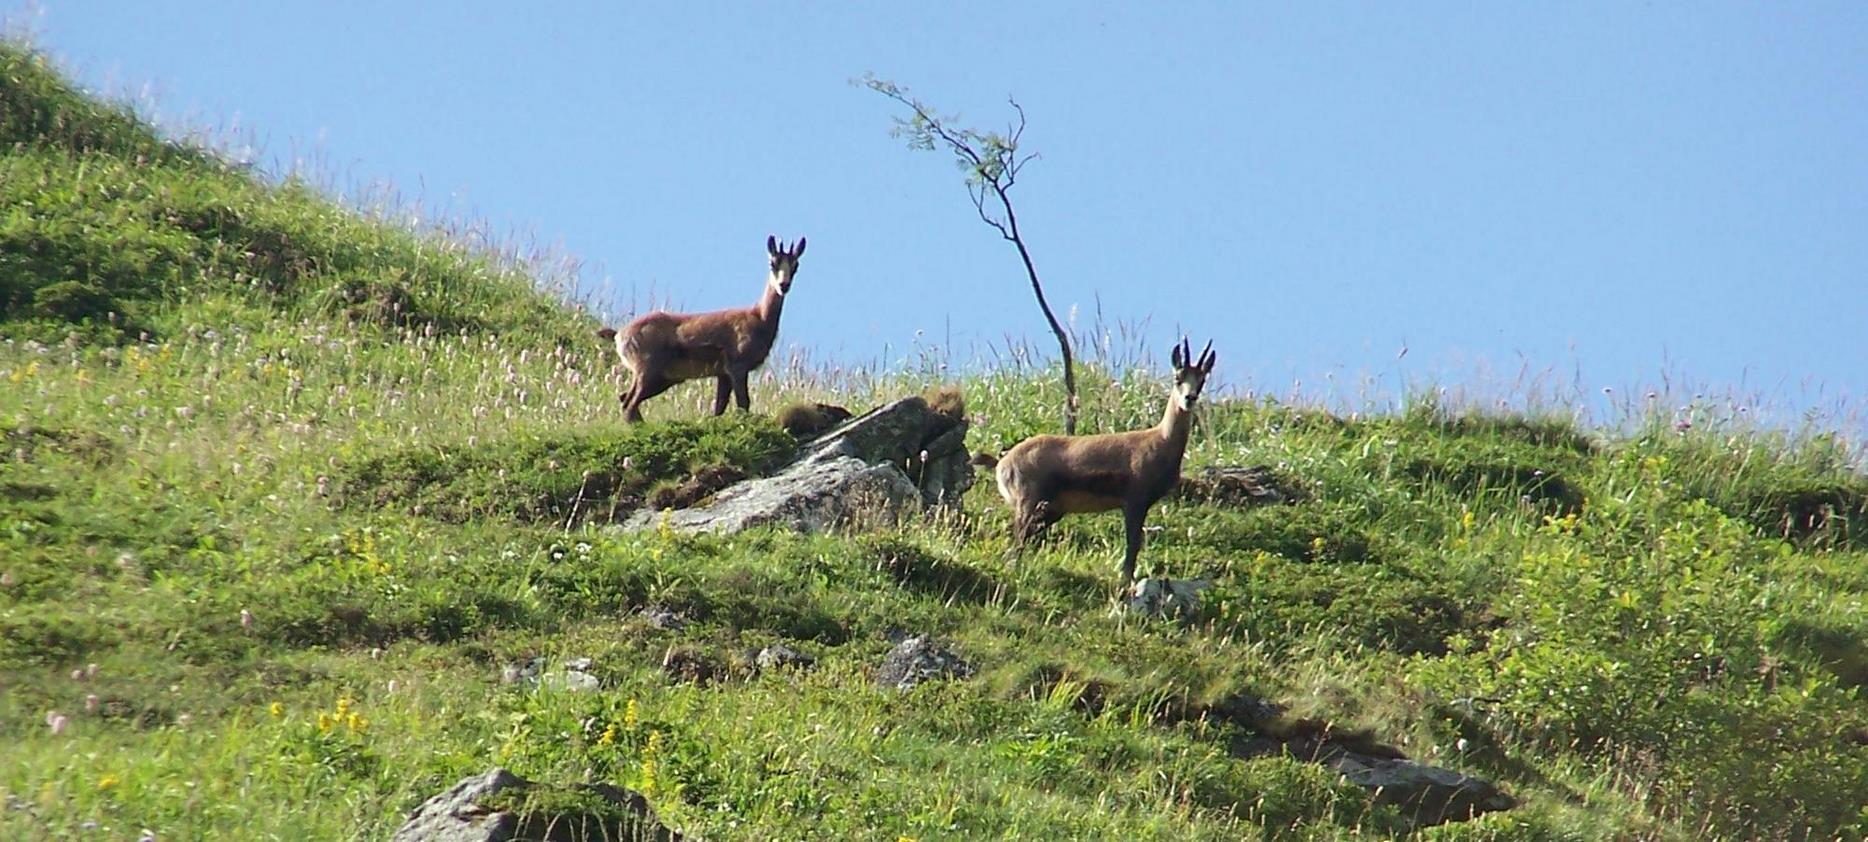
(771,304)
(1175,422)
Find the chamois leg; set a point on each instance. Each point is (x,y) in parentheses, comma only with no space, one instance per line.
(723,388)
(1030,522)
(1133,517)
(741,395)
(648,385)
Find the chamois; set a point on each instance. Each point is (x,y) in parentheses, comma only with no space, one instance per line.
(662,349)
(1044,478)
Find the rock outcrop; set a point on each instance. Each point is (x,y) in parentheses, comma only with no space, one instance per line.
(883,465)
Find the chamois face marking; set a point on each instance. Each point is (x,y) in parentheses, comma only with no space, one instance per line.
(784,263)
(1190,375)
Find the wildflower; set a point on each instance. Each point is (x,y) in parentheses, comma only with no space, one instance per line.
(344,704)
(108,782)
(608,736)
(631,715)
(326,722)
(356,723)
(246,619)
(277,709)
(57,722)
(90,703)
(650,753)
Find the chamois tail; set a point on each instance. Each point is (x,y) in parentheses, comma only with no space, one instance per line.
(984,460)
(607,334)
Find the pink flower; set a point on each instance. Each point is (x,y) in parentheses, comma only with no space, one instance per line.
(90,703)
(58,722)
(246,619)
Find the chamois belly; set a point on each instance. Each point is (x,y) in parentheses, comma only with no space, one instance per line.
(1081,502)
(694,368)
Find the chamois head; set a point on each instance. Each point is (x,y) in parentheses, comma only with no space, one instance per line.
(784,263)
(1190,374)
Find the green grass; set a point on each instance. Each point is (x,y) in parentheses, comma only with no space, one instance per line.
(397,456)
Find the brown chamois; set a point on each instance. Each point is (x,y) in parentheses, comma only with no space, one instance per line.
(1044,478)
(662,349)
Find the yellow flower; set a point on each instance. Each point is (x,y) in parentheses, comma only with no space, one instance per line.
(650,753)
(108,782)
(631,715)
(608,736)
(343,705)
(277,709)
(357,723)
(326,722)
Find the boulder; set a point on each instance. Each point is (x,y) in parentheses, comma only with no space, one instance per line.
(917,659)
(884,463)
(593,812)
(810,496)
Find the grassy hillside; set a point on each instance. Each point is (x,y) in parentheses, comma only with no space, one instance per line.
(286,490)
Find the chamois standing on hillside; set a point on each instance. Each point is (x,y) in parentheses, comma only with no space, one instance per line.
(662,349)
(1044,478)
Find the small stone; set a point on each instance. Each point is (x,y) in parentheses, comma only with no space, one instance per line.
(1177,598)
(663,617)
(779,655)
(917,659)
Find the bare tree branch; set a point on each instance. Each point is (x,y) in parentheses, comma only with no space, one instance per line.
(992,163)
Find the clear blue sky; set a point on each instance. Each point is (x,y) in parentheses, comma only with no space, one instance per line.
(1607,192)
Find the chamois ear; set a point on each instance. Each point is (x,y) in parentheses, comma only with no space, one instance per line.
(799,251)
(1206,356)
(1212,357)
(771,245)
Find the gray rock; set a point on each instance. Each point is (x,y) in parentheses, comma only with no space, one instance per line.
(881,464)
(1428,794)
(1177,598)
(460,815)
(576,681)
(917,659)
(525,673)
(779,655)
(574,677)
(663,617)
(944,468)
